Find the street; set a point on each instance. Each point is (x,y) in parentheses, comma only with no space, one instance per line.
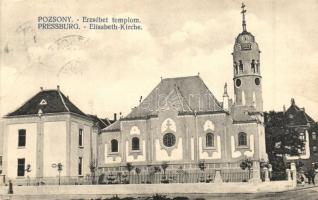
(308,193)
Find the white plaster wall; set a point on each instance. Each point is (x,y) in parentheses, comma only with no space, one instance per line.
(139,158)
(162,154)
(86,150)
(109,159)
(29,152)
(235,154)
(192,148)
(252,147)
(215,155)
(54,147)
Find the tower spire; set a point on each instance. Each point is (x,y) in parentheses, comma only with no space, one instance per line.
(243,15)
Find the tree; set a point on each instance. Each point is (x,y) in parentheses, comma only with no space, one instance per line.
(164,167)
(202,167)
(138,171)
(93,168)
(129,167)
(281,140)
(247,163)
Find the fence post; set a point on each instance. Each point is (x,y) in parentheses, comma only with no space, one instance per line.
(266,174)
(218,178)
(256,172)
(294,173)
(288,174)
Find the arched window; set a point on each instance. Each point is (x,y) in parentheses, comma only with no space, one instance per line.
(114,145)
(209,140)
(253,67)
(242,139)
(313,136)
(314,149)
(241,66)
(135,144)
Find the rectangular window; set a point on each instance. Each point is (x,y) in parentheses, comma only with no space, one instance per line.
(22,138)
(21,166)
(80,137)
(80,166)
(314,136)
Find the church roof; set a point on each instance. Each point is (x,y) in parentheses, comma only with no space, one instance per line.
(183,94)
(49,101)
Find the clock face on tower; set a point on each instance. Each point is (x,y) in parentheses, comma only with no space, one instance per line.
(245,38)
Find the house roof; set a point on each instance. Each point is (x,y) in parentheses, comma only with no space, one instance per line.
(297,116)
(183,94)
(49,101)
(293,116)
(101,123)
(113,127)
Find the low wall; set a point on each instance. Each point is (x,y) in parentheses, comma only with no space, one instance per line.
(138,189)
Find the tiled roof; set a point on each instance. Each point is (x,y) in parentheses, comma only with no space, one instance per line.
(49,101)
(113,127)
(183,94)
(297,116)
(101,123)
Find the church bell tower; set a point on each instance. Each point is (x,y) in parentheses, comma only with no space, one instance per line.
(246,67)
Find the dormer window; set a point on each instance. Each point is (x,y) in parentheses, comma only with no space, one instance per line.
(43,102)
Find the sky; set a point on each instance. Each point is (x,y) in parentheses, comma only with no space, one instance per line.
(106,71)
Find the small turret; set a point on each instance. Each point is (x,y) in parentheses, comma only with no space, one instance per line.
(225,98)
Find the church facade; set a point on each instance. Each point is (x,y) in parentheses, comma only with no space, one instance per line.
(182,123)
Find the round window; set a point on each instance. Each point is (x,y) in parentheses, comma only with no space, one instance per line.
(257,81)
(169,140)
(238,82)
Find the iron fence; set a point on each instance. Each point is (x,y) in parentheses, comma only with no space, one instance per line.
(156,178)
(63,180)
(134,178)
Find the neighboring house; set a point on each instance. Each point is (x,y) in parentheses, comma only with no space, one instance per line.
(47,129)
(182,122)
(297,119)
(98,125)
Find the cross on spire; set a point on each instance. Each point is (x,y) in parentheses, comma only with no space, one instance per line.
(243,15)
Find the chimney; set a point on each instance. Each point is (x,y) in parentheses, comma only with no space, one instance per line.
(41,88)
(292,101)
(58,88)
(284,108)
(115,116)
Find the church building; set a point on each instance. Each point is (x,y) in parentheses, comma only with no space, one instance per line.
(182,123)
